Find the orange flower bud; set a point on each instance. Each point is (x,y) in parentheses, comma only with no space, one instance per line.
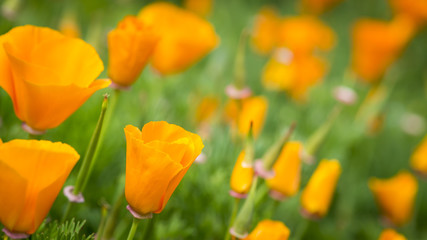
(264,34)
(419,157)
(206,109)
(318,6)
(287,169)
(304,34)
(376,45)
(157,158)
(271,230)
(130,46)
(296,76)
(201,7)
(47,75)
(415,9)
(242,176)
(395,196)
(184,37)
(31,175)
(317,195)
(390,234)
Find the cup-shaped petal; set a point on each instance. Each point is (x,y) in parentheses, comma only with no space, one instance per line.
(242,176)
(415,9)
(264,34)
(253,111)
(47,75)
(391,234)
(271,230)
(184,37)
(32,174)
(317,195)
(130,47)
(395,196)
(157,158)
(287,169)
(419,157)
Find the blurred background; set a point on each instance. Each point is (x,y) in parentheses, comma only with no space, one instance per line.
(201,206)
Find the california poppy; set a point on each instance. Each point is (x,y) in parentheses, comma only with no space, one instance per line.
(130,47)
(377,44)
(241,177)
(264,33)
(157,158)
(414,9)
(47,75)
(395,196)
(419,157)
(287,169)
(269,229)
(201,7)
(391,234)
(184,37)
(31,175)
(317,195)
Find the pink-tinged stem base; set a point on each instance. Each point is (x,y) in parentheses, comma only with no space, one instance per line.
(68,192)
(31,130)
(137,215)
(261,171)
(278,196)
(234,93)
(345,95)
(116,86)
(237,235)
(237,195)
(14,235)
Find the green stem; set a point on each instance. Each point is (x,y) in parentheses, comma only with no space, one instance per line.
(301,229)
(273,152)
(232,218)
(88,161)
(35,137)
(104,212)
(132,231)
(113,217)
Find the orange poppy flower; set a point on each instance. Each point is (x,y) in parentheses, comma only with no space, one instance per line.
(304,34)
(415,9)
(206,109)
(377,44)
(318,6)
(242,176)
(184,37)
(295,76)
(419,157)
(157,158)
(390,234)
(317,195)
(264,33)
(271,230)
(47,75)
(130,46)
(395,196)
(287,169)
(201,7)
(31,175)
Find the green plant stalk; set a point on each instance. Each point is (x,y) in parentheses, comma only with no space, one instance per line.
(113,217)
(104,212)
(87,165)
(316,139)
(232,218)
(239,65)
(273,153)
(35,137)
(249,147)
(243,220)
(132,231)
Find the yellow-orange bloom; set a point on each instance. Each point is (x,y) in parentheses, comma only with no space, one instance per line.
(31,175)
(271,230)
(390,234)
(206,109)
(184,37)
(304,34)
(296,76)
(264,34)
(48,76)
(395,196)
(130,47)
(317,195)
(201,7)
(318,6)
(377,44)
(242,176)
(415,9)
(157,158)
(419,157)
(287,169)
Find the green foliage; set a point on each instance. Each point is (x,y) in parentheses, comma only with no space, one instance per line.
(69,230)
